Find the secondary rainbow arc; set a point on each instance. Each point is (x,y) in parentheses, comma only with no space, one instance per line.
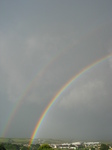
(39,75)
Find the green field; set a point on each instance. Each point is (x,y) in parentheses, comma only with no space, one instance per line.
(15,140)
(26,141)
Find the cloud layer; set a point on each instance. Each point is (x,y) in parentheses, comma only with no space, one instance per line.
(42,46)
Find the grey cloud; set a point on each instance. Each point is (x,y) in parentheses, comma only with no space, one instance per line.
(84,94)
(42,46)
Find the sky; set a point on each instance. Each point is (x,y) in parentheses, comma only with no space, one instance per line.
(43,44)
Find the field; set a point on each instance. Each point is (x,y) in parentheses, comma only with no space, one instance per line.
(26,141)
(15,140)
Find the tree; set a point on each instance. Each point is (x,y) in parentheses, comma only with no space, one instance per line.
(104,147)
(44,146)
(92,148)
(25,148)
(2,147)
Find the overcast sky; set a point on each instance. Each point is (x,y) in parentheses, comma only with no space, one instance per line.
(43,44)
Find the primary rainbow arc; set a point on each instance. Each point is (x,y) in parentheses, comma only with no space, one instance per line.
(60,92)
(39,74)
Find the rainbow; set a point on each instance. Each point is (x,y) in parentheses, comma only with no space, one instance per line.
(29,87)
(39,75)
(61,91)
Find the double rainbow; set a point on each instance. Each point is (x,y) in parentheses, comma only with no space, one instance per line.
(41,73)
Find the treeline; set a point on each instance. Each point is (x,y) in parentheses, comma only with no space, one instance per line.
(9,146)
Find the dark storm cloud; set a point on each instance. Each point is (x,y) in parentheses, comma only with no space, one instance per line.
(49,43)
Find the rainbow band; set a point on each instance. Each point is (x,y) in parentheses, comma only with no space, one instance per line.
(39,74)
(29,87)
(61,91)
